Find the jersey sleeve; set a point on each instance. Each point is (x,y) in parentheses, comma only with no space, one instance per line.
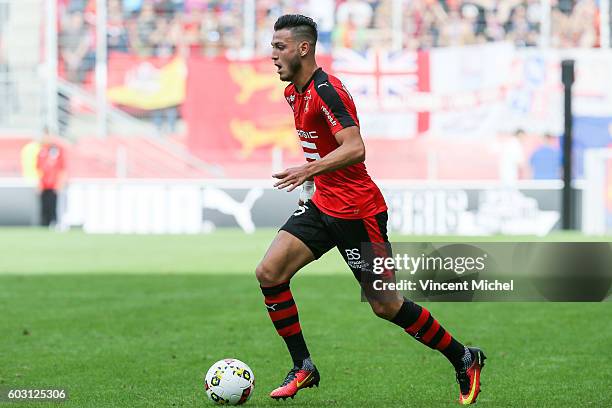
(337,107)
(289,95)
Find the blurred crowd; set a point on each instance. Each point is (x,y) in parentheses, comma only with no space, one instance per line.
(163,28)
(217,27)
(434,23)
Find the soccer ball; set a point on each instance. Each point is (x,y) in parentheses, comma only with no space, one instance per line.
(229,382)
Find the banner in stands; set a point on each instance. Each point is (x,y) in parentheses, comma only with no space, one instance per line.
(237,106)
(236,113)
(486,89)
(146,83)
(383,84)
(195,207)
(461,99)
(469,88)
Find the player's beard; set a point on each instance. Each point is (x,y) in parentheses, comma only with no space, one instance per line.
(294,66)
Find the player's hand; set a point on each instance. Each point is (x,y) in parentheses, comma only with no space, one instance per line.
(291,178)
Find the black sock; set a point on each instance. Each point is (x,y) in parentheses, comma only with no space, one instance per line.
(297,348)
(420,324)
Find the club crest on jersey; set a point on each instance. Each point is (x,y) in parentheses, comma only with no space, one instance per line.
(307,98)
(291,101)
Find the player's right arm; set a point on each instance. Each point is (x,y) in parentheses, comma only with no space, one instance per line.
(338,108)
(350,151)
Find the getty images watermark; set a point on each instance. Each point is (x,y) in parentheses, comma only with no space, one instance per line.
(458,265)
(480,271)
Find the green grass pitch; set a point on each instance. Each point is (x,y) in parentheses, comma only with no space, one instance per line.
(135,321)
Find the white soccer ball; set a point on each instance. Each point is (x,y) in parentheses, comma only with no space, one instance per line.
(229,382)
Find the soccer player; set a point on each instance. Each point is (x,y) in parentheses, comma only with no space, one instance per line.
(346,210)
(51,167)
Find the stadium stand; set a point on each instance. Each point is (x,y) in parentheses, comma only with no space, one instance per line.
(159,30)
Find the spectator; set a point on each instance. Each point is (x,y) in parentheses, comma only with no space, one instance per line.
(220,31)
(359,12)
(545,161)
(457,30)
(266,16)
(77,6)
(200,31)
(423,21)
(493,30)
(322,11)
(380,36)
(480,23)
(117,35)
(268,11)
(519,29)
(215,27)
(131,7)
(585,20)
(167,8)
(179,6)
(76,47)
(561,27)
(354,20)
(191,5)
(576,26)
(52,172)
(144,28)
(230,25)
(165,37)
(349,34)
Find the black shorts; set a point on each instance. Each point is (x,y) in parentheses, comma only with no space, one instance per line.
(321,232)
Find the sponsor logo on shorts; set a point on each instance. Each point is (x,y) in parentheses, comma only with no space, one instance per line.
(353,258)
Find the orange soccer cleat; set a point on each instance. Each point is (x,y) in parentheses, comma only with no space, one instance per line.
(469,380)
(296,380)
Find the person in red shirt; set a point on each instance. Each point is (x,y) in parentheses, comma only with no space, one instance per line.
(51,167)
(346,210)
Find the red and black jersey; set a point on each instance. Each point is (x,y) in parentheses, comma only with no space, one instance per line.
(323,108)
